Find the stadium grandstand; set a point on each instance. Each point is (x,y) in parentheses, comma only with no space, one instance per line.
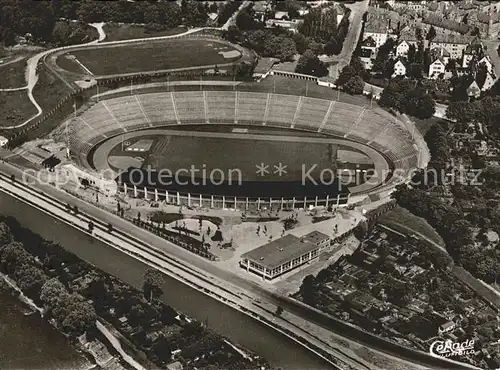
(359,125)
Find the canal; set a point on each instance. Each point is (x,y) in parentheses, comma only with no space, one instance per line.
(279,350)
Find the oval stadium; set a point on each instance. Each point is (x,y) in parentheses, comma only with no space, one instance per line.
(243,150)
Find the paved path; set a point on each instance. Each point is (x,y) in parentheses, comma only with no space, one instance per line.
(232,19)
(358,9)
(31,70)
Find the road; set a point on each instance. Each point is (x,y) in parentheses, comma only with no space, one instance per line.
(250,289)
(232,19)
(358,9)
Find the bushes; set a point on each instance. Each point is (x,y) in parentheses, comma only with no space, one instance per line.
(407,97)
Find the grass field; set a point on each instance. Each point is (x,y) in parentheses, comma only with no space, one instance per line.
(401,216)
(12,74)
(176,152)
(116,32)
(49,89)
(15,108)
(157,55)
(424,125)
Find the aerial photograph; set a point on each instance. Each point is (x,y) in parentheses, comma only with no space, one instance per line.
(249,185)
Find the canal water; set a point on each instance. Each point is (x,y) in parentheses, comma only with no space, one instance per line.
(279,350)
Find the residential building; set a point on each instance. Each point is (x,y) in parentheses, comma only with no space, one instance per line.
(446,327)
(486,60)
(442,54)
(261,8)
(473,51)
(473,90)
(437,68)
(402,48)
(378,30)
(442,25)
(367,57)
(291,25)
(399,69)
(488,82)
(455,44)
(416,6)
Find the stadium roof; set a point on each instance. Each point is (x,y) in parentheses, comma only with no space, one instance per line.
(279,251)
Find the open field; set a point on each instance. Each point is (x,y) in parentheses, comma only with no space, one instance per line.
(157,55)
(15,108)
(49,89)
(12,74)
(116,32)
(400,216)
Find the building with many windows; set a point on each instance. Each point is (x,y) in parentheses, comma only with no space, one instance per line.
(285,254)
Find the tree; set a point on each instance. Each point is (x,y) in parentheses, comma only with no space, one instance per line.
(461,111)
(74,314)
(311,65)
(481,74)
(245,19)
(307,290)
(431,34)
(52,291)
(153,283)
(354,86)
(412,52)
(279,310)
(5,235)
(345,75)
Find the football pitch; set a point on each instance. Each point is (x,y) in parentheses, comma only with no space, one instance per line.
(244,155)
(155,55)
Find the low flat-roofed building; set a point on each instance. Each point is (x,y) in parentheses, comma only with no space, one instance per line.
(284,254)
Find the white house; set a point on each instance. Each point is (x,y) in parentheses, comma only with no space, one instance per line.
(378,30)
(443,54)
(436,68)
(402,48)
(454,44)
(399,69)
(488,82)
(473,89)
(3,141)
(486,60)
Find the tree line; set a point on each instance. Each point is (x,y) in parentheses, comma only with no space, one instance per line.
(39,18)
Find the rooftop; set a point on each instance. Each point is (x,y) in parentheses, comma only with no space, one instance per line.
(453,39)
(279,251)
(315,237)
